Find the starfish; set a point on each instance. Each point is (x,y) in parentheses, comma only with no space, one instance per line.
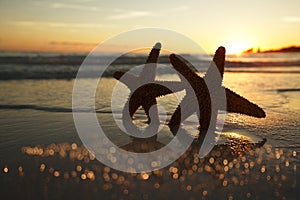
(235,103)
(146,94)
(144,89)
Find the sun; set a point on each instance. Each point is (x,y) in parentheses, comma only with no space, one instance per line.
(237,46)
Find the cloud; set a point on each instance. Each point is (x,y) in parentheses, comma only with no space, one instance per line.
(66,5)
(60,24)
(129,14)
(74,6)
(291,19)
(68,43)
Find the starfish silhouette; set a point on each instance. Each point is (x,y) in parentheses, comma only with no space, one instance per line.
(146,94)
(144,89)
(235,103)
(207,113)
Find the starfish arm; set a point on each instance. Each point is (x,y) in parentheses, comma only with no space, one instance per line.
(204,116)
(154,53)
(238,104)
(179,116)
(150,90)
(133,106)
(219,60)
(183,68)
(216,68)
(176,117)
(149,71)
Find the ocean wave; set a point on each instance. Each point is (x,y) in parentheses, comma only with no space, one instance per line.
(47,108)
(289,90)
(44,66)
(132,59)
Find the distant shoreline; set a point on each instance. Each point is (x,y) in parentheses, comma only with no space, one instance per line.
(283,50)
(291,49)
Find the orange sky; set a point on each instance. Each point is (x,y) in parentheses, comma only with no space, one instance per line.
(78,26)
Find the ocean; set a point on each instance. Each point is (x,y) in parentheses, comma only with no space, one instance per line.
(42,156)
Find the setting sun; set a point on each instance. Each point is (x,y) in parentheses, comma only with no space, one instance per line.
(237,47)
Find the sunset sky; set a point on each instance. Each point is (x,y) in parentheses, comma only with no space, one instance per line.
(79,25)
